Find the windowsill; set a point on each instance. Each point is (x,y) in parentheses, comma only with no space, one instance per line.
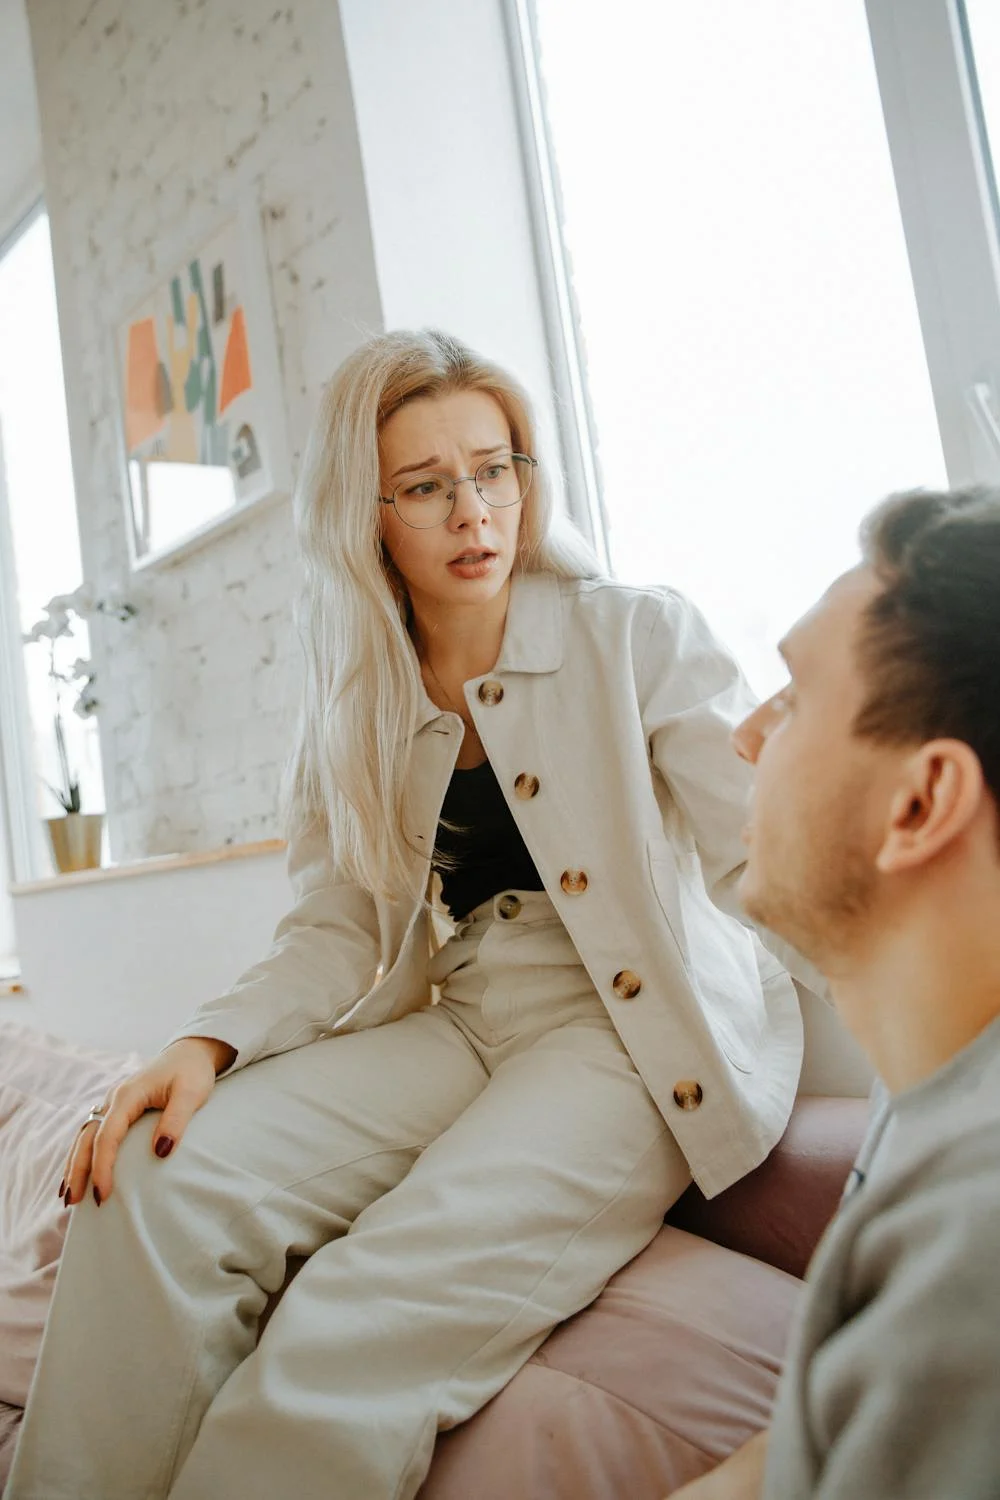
(155,865)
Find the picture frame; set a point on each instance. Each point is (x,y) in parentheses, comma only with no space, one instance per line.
(201,421)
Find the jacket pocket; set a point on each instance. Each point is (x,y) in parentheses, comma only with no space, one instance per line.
(719,953)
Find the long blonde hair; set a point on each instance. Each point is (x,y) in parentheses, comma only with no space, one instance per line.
(349,773)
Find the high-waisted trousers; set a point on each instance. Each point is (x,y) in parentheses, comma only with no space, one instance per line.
(460,1181)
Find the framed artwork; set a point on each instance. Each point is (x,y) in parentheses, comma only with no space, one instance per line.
(202,425)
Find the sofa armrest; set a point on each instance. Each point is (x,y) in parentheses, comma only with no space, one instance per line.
(778,1212)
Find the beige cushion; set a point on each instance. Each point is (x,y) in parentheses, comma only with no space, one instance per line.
(672,1368)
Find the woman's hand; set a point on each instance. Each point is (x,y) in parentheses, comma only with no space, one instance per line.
(178,1082)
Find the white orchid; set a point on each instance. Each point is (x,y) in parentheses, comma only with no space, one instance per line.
(56,623)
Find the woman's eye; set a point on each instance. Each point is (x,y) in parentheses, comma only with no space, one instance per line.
(424,489)
(495,471)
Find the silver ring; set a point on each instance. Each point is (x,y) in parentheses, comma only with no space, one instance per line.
(96,1114)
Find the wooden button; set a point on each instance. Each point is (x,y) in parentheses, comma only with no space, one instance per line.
(526,786)
(508,906)
(688,1093)
(574,882)
(626,984)
(490,692)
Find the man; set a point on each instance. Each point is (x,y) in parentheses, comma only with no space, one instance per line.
(874,847)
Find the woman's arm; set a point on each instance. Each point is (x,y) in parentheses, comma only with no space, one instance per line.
(692,696)
(324,958)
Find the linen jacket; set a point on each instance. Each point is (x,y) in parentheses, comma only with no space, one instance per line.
(621,703)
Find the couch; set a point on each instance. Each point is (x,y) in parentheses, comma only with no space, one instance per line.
(673,1366)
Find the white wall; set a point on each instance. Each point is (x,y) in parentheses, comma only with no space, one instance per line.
(121,963)
(447,190)
(154,119)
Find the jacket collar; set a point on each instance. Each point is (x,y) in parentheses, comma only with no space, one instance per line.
(533,634)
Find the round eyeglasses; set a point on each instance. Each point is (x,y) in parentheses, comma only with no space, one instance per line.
(426,499)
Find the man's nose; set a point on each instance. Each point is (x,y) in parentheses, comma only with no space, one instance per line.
(748,737)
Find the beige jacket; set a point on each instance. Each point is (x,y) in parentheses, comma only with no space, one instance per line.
(620,703)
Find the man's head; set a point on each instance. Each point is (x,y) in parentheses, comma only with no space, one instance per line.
(878,767)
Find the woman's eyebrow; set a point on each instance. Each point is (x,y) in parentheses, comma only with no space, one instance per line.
(426,463)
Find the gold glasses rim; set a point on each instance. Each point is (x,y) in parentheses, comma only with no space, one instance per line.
(455,480)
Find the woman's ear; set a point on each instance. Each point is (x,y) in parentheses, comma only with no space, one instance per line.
(939,795)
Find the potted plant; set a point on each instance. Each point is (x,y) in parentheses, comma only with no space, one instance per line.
(75,836)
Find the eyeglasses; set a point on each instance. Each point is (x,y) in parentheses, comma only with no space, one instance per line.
(424,500)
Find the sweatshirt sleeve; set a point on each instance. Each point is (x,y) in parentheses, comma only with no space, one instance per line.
(692,696)
(902,1400)
(324,958)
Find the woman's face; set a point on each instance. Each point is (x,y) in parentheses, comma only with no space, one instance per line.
(469,557)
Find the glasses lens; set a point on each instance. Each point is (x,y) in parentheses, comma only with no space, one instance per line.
(504,480)
(423,500)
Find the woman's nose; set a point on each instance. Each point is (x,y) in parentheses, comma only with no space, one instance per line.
(470,507)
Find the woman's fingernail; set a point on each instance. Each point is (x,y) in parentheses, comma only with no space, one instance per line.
(68,1197)
(164,1146)
(62,1187)
(97,1196)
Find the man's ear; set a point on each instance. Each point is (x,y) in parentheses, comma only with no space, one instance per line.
(939,793)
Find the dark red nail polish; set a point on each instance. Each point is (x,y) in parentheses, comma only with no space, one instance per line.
(97,1196)
(62,1188)
(164,1146)
(68,1197)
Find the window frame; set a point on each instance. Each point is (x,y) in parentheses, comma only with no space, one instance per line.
(946,185)
(25,852)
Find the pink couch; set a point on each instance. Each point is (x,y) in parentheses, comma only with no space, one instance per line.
(672,1367)
(676,1363)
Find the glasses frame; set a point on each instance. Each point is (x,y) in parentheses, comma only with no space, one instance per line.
(458,479)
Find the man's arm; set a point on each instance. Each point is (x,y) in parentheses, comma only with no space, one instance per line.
(738,1477)
(900,1399)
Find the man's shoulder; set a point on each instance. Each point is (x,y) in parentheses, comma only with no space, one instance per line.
(950,1124)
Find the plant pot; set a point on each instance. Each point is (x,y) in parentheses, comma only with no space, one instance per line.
(76,841)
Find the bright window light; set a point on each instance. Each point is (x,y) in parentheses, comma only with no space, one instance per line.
(40,497)
(753,351)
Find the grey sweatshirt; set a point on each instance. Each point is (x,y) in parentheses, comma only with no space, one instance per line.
(891,1389)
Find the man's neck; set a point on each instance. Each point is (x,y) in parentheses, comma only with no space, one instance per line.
(926,986)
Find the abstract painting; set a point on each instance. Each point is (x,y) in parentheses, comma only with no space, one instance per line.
(202,419)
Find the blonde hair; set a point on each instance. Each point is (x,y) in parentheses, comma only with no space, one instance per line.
(349,773)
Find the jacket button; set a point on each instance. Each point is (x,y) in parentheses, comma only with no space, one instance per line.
(626,984)
(508,907)
(688,1093)
(490,692)
(574,882)
(526,786)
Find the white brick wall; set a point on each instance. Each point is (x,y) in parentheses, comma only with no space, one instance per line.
(156,115)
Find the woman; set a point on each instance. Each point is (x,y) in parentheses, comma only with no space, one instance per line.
(460,1176)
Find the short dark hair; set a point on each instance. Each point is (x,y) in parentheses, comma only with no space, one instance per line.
(930,639)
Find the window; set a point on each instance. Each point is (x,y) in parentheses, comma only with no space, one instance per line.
(751,280)
(39,549)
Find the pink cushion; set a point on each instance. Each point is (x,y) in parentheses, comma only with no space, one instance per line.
(46,1089)
(778,1212)
(672,1368)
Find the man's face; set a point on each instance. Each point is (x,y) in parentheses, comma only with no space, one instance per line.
(821,794)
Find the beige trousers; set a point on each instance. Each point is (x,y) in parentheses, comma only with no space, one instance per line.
(460,1180)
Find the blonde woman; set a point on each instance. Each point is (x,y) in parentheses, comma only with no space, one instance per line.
(485,709)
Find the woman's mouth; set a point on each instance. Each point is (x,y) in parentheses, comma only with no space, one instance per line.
(475,563)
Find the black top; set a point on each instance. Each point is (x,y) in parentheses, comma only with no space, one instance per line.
(488,854)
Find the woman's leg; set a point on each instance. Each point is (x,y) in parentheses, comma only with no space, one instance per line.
(511,1221)
(160,1290)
